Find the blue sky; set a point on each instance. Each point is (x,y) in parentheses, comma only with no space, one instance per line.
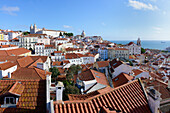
(112,19)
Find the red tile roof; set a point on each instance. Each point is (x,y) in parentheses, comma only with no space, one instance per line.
(103,63)
(23,73)
(57,63)
(15,88)
(137,71)
(90,74)
(71,56)
(6,65)
(57,51)
(14,52)
(6,46)
(130,43)
(25,61)
(121,79)
(126,98)
(32,99)
(114,63)
(159,86)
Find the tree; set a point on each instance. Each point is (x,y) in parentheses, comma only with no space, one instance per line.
(69,89)
(142,50)
(73,70)
(55,72)
(68,34)
(60,34)
(26,33)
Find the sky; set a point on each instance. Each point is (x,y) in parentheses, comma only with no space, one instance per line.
(111,19)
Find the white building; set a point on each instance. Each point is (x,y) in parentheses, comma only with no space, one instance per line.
(44,50)
(49,49)
(29,41)
(39,49)
(13,34)
(134,48)
(138,73)
(61,41)
(6,69)
(58,56)
(8,47)
(15,41)
(4,42)
(53,33)
(45,40)
(116,67)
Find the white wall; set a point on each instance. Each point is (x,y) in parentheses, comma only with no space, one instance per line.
(4,73)
(122,68)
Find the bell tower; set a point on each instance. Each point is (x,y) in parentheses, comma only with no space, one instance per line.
(31,29)
(35,29)
(139,42)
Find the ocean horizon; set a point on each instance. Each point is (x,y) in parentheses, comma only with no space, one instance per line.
(150,44)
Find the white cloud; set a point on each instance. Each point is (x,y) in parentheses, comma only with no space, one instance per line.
(10,10)
(103,24)
(157,29)
(140,5)
(66,26)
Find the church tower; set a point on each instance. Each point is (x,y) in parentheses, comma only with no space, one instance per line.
(35,28)
(83,34)
(31,29)
(139,42)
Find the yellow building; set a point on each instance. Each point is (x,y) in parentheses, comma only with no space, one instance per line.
(1,36)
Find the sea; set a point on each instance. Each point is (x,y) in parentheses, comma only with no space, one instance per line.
(150,44)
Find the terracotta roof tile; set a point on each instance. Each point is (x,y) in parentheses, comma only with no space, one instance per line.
(119,99)
(24,73)
(121,79)
(114,63)
(137,71)
(71,56)
(103,63)
(159,86)
(90,74)
(32,99)
(25,61)
(6,65)
(18,51)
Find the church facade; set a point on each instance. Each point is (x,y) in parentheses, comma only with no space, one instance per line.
(133,48)
(52,33)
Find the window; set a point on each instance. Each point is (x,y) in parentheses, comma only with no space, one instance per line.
(9,100)
(116,79)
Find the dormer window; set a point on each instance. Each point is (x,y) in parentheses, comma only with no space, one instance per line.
(9,100)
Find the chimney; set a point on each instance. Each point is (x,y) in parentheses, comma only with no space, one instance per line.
(48,92)
(9,75)
(59,91)
(154,99)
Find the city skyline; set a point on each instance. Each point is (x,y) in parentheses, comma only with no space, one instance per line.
(113,20)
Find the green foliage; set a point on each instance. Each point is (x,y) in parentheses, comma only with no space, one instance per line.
(142,50)
(60,34)
(164,51)
(69,89)
(73,70)
(131,64)
(55,72)
(26,33)
(68,34)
